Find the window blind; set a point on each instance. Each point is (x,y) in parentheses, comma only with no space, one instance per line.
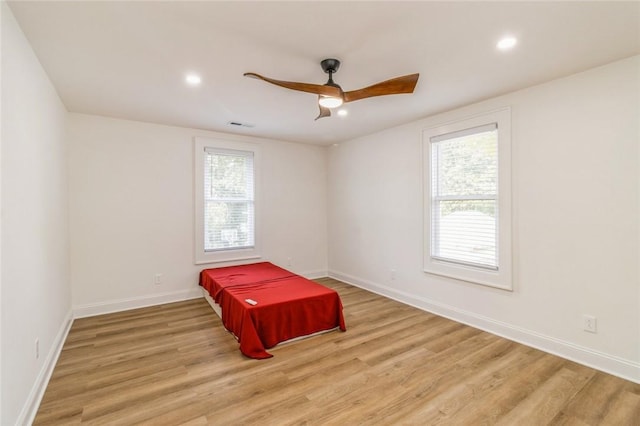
(229,216)
(464,197)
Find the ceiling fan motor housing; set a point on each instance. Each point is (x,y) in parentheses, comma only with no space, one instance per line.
(330,65)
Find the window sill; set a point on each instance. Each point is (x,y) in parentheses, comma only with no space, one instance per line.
(495,279)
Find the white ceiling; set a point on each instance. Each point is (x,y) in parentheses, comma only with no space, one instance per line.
(128,59)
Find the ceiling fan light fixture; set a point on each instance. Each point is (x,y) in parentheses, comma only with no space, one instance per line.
(330,101)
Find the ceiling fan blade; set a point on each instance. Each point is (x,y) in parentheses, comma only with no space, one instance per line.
(324,112)
(302,87)
(404,84)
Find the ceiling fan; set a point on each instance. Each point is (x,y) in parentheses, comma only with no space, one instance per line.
(331,95)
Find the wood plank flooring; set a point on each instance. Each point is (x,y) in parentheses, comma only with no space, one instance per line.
(175,364)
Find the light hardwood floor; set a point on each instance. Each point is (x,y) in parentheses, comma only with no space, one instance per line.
(176,365)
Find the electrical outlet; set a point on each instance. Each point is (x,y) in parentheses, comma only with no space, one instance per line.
(289,261)
(590,323)
(158,279)
(393,275)
(37,348)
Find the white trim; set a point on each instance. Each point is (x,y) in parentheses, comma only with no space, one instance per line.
(624,368)
(235,259)
(200,256)
(92,309)
(502,278)
(312,275)
(30,408)
(465,131)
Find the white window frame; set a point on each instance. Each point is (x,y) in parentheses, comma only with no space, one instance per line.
(200,255)
(502,276)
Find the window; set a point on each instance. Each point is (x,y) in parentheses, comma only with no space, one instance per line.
(228,199)
(225,189)
(464,211)
(467,208)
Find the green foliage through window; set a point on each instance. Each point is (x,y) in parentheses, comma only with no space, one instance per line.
(464,178)
(229,200)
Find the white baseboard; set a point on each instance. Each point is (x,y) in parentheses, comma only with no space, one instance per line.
(626,369)
(30,408)
(312,275)
(110,306)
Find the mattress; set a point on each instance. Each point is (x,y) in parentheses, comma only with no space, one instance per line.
(263,305)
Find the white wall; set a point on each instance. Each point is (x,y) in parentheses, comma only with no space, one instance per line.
(576,219)
(131,211)
(36,298)
(129,187)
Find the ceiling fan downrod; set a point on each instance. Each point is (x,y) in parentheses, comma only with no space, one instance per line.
(330,66)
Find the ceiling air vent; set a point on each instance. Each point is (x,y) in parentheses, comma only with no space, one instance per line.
(238,124)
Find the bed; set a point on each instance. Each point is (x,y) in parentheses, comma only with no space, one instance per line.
(263,305)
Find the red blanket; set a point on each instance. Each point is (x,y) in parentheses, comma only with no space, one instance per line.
(287,305)
(214,280)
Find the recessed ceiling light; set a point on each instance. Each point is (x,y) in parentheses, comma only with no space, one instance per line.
(507,43)
(343,112)
(193,79)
